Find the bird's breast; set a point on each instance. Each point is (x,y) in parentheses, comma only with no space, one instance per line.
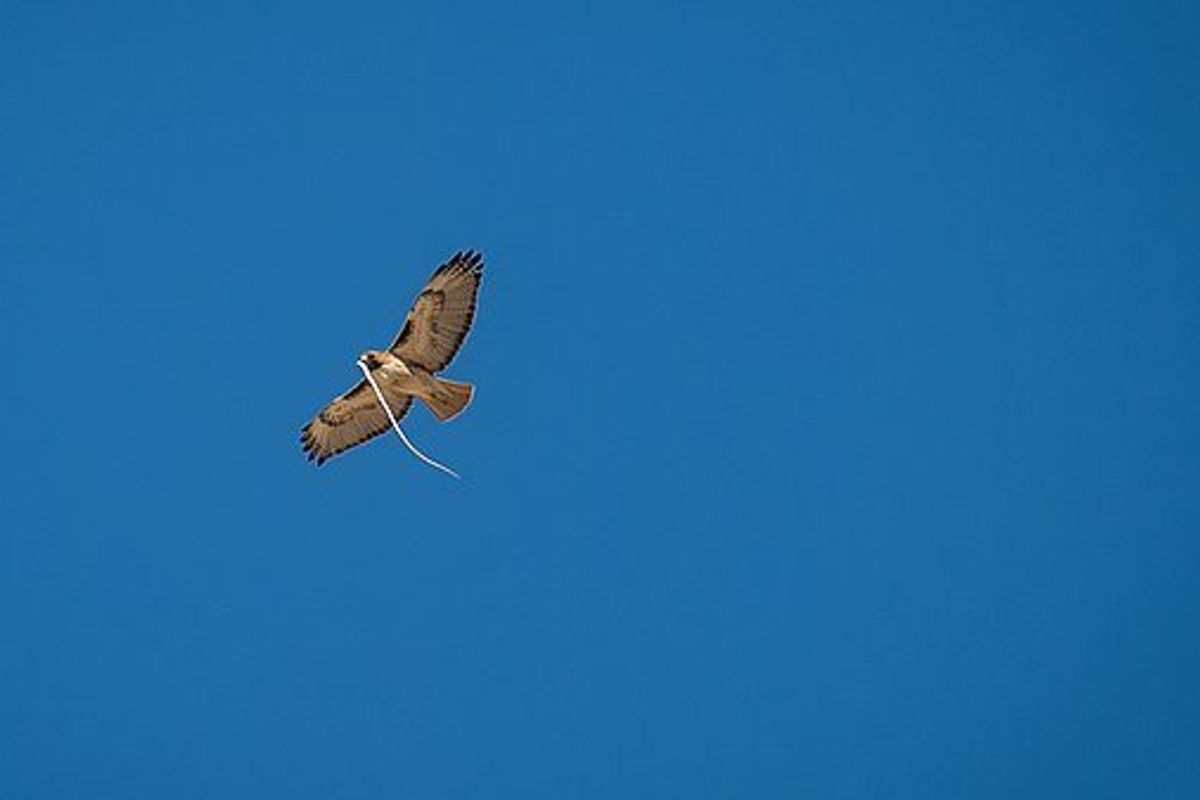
(396,369)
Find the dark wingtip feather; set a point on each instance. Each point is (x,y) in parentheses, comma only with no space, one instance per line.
(462,261)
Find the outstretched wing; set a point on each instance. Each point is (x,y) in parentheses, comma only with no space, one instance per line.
(350,419)
(442,314)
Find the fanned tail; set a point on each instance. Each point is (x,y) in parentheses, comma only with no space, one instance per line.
(448,398)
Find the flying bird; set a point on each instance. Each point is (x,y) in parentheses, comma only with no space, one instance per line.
(435,328)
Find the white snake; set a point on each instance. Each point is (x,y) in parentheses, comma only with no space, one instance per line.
(392,417)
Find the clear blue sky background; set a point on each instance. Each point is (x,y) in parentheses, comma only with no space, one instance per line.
(837,427)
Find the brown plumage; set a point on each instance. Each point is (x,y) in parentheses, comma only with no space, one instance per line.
(434,330)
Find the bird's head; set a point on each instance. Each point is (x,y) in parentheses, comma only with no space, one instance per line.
(372,358)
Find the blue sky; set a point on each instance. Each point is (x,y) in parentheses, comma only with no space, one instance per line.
(836,429)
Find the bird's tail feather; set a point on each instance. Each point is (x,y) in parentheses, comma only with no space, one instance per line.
(447,398)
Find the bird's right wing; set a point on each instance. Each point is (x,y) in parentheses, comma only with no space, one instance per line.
(350,420)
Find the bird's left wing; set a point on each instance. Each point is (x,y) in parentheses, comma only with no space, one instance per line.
(350,420)
(442,314)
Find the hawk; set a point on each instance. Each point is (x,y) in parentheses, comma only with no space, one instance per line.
(435,328)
